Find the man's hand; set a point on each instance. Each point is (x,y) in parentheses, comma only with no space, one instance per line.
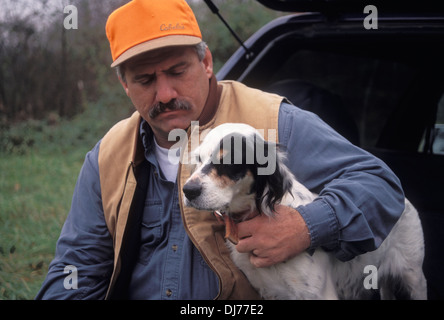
(273,240)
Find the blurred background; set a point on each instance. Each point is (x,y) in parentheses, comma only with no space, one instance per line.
(58,97)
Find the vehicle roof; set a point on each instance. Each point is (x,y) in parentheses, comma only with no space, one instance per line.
(349,6)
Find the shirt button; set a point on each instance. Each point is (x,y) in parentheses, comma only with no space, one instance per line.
(174,247)
(169,292)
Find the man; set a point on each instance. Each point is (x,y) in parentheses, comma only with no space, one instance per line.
(128,234)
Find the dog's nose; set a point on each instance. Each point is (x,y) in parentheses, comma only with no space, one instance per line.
(192,189)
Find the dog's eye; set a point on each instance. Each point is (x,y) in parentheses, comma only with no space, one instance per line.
(231,170)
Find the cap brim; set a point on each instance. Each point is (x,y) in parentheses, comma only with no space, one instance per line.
(168,41)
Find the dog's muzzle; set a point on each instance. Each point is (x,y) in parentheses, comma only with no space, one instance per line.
(192,189)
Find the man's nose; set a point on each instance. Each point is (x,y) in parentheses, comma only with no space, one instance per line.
(165,92)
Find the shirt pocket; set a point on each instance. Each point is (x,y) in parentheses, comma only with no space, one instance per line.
(151,230)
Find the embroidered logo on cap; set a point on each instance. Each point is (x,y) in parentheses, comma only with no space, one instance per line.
(168,27)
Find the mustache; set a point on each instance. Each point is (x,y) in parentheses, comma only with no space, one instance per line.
(172,105)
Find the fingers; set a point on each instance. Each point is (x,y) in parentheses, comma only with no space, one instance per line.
(258,258)
(245,244)
(248,227)
(260,262)
(272,240)
(250,241)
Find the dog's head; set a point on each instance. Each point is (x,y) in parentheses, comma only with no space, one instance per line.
(237,173)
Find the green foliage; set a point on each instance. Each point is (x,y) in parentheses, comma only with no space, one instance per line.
(244,16)
(45,68)
(39,164)
(58,97)
(35,192)
(55,135)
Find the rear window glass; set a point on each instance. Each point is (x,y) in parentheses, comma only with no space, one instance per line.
(390,90)
(370,89)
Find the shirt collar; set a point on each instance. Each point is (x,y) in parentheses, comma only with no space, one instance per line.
(147,138)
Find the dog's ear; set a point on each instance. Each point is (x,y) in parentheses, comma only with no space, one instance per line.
(272,186)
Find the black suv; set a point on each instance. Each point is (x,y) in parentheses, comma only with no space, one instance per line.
(375,72)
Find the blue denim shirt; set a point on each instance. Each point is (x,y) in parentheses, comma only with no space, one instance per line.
(168,258)
(360,200)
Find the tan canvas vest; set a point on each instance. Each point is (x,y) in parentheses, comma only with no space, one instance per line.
(120,153)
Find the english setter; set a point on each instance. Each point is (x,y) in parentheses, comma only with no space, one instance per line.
(231,179)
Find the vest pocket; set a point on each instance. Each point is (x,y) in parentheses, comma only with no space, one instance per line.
(150,231)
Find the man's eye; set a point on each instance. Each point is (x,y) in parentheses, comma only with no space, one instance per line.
(146,81)
(176,73)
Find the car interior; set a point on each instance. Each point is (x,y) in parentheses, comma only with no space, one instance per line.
(384,91)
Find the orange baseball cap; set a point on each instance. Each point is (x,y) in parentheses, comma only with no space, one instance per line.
(143,25)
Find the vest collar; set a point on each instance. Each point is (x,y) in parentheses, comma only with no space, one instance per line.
(212,102)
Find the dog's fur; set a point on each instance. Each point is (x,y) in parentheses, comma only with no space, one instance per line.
(236,189)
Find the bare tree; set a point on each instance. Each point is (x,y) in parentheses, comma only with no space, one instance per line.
(43,66)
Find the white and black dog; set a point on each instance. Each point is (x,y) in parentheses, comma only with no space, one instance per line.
(228,181)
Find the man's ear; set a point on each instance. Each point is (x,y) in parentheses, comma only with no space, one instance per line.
(124,85)
(208,63)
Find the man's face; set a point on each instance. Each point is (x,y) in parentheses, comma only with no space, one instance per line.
(169,88)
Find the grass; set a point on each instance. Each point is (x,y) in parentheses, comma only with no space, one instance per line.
(39,164)
(35,192)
